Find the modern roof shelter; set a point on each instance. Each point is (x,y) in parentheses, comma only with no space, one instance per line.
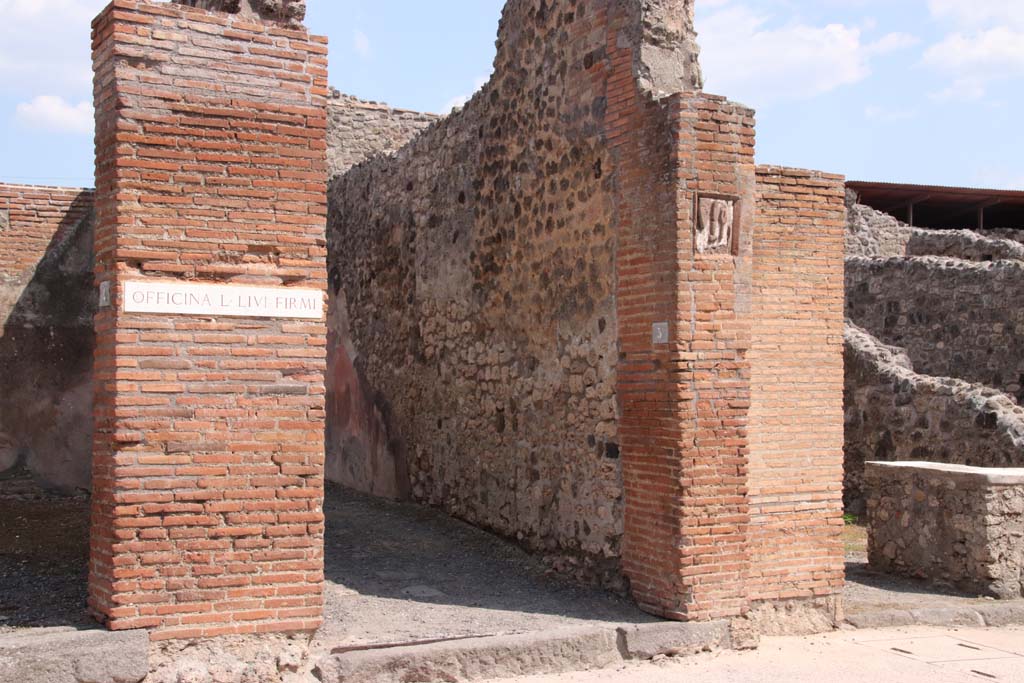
(935,206)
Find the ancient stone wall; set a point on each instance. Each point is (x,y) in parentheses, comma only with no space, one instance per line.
(472,276)
(357,130)
(953,525)
(952,317)
(46,343)
(874,234)
(796,360)
(208,443)
(1012,234)
(896,414)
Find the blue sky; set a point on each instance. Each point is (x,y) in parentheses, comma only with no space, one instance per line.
(923,91)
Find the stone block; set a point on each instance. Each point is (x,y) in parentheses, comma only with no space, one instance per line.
(69,656)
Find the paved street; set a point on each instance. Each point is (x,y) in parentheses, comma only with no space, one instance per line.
(908,655)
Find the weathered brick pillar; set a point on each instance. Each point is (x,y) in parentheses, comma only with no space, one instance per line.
(686,198)
(211,262)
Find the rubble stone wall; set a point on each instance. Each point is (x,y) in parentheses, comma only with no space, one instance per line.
(896,414)
(874,234)
(953,525)
(1012,234)
(796,359)
(357,130)
(954,318)
(46,342)
(473,302)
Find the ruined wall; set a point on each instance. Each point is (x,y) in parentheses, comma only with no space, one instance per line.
(473,282)
(540,328)
(289,13)
(1012,234)
(357,130)
(46,343)
(957,526)
(796,360)
(953,317)
(874,234)
(896,414)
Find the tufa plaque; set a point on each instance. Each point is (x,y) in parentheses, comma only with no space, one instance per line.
(715,225)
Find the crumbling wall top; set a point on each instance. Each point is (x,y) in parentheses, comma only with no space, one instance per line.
(668,59)
(660,33)
(288,13)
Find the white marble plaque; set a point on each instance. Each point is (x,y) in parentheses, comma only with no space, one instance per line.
(240,301)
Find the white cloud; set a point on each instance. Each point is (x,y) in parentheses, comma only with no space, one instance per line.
(979,12)
(749,60)
(997,51)
(986,45)
(45,44)
(885,114)
(53,113)
(361,44)
(461,100)
(70,10)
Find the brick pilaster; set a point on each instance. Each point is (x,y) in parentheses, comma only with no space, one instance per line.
(208,446)
(684,399)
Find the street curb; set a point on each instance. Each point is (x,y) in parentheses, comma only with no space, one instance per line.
(543,652)
(995,615)
(62,655)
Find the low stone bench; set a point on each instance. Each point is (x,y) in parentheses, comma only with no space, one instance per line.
(951,524)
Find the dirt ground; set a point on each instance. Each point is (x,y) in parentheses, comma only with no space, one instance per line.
(44,548)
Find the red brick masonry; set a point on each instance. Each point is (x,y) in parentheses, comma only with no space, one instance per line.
(208,447)
(796,412)
(36,216)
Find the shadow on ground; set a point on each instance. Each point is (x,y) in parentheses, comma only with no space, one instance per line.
(870,591)
(44,549)
(398,572)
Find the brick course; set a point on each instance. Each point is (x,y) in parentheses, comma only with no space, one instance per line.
(796,445)
(208,446)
